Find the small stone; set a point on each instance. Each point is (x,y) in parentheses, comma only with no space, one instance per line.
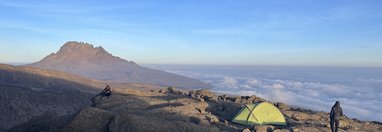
(238,99)
(212,119)
(162,91)
(246,130)
(198,98)
(222,98)
(281,106)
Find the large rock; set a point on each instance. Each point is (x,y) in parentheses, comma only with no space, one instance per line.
(91,120)
(222,98)
(172,90)
(244,99)
(251,99)
(148,123)
(212,119)
(246,130)
(202,95)
(224,109)
(238,99)
(205,92)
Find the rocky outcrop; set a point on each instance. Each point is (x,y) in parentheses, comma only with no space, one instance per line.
(170,111)
(124,113)
(298,119)
(203,95)
(95,62)
(90,119)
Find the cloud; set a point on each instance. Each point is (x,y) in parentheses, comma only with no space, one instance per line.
(253,82)
(318,95)
(229,82)
(277,86)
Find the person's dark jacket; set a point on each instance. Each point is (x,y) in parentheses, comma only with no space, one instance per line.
(336,111)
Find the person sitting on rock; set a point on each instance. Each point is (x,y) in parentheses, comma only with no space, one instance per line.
(335,115)
(106,91)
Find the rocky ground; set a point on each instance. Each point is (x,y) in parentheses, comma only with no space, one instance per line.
(199,110)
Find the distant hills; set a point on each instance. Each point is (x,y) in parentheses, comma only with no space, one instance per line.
(95,62)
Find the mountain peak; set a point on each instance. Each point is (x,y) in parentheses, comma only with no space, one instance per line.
(81,47)
(95,62)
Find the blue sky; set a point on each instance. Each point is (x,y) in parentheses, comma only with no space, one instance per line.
(218,32)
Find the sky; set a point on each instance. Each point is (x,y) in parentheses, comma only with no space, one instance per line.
(208,32)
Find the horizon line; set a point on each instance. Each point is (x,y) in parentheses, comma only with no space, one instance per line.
(227,65)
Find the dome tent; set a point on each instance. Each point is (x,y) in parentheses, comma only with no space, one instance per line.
(259,114)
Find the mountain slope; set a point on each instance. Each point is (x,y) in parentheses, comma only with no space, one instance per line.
(34,94)
(94,62)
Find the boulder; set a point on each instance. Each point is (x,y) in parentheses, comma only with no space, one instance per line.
(246,130)
(251,99)
(299,116)
(232,99)
(192,94)
(224,109)
(199,98)
(162,91)
(90,119)
(205,92)
(212,119)
(203,95)
(172,90)
(222,98)
(345,123)
(238,99)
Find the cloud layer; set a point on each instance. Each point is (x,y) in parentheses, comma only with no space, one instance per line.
(359,95)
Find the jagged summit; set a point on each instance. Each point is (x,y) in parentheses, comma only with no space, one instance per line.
(81,51)
(95,62)
(74,46)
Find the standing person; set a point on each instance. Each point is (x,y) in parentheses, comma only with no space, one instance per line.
(335,115)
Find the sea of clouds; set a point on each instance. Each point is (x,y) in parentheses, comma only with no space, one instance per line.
(358,89)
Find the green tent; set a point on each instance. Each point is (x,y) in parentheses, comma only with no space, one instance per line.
(259,114)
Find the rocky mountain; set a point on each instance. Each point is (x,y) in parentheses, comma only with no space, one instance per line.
(31,95)
(96,63)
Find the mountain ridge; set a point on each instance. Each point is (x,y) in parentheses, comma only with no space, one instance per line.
(95,62)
